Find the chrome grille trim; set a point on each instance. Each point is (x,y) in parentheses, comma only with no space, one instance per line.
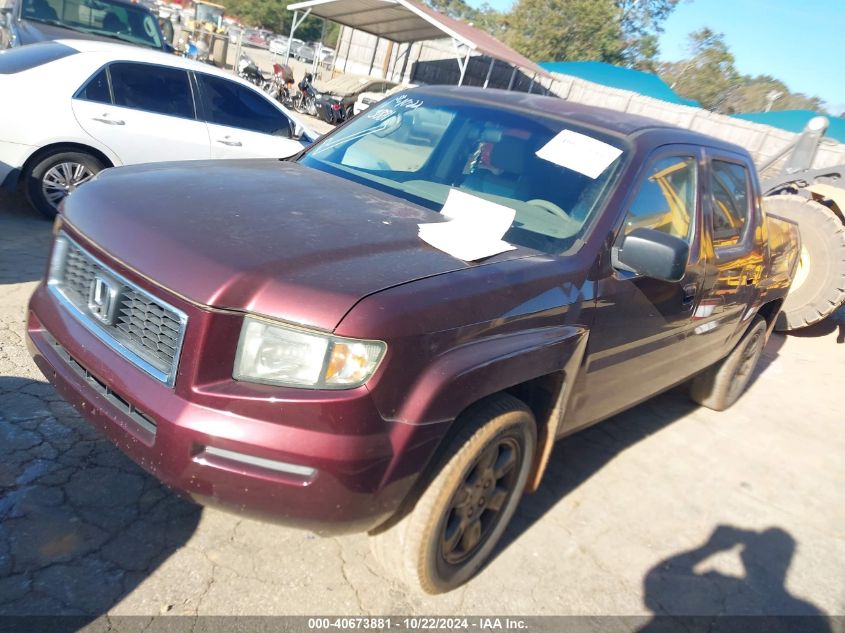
(147,331)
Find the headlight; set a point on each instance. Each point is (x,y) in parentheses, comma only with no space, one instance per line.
(283,355)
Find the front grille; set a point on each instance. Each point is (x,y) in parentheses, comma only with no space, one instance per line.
(142,328)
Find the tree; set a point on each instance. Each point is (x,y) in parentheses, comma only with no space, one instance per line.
(273,15)
(709,75)
(764,92)
(641,21)
(484,17)
(615,31)
(566,30)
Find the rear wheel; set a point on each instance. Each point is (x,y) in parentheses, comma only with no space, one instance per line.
(819,284)
(463,512)
(722,384)
(56,175)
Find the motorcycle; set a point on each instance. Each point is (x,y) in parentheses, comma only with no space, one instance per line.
(280,86)
(248,69)
(305,100)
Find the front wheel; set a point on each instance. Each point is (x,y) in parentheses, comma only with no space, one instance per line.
(458,520)
(55,176)
(722,384)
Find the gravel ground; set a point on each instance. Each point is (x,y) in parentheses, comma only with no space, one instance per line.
(668,508)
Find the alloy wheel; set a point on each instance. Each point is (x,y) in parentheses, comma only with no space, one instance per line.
(62,179)
(475,507)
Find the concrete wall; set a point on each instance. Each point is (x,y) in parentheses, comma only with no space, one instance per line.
(433,62)
(762,141)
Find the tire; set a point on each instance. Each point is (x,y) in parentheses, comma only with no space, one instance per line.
(819,284)
(43,180)
(415,549)
(719,386)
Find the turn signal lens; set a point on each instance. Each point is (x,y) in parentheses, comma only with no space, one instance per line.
(352,363)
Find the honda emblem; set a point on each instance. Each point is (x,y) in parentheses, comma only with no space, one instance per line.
(102,299)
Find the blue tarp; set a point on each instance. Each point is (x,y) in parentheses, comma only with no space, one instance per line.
(795,120)
(647,84)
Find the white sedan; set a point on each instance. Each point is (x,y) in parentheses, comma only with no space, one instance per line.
(72,108)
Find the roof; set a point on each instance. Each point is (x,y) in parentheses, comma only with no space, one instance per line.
(795,121)
(644,83)
(404,21)
(115,50)
(124,52)
(614,121)
(611,121)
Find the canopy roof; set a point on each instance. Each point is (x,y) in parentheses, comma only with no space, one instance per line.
(405,21)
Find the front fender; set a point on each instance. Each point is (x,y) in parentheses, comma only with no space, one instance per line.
(468,373)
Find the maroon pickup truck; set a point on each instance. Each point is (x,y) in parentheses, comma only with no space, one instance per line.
(312,341)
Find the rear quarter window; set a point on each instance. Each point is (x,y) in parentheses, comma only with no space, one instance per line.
(15,60)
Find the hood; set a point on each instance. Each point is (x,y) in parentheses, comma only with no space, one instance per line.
(264,236)
(30,32)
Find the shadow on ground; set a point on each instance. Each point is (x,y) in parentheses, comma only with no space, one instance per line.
(80,524)
(24,240)
(688,583)
(678,585)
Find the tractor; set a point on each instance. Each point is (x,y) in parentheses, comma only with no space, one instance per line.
(815,200)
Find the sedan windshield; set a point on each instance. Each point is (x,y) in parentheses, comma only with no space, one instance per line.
(554,174)
(117,20)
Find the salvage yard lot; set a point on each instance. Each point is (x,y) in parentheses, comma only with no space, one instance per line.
(668,508)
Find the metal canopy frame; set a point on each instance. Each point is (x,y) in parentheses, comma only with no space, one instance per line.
(406,22)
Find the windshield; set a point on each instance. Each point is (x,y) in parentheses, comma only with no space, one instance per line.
(120,21)
(419,148)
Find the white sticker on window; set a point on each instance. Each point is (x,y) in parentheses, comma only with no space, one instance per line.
(579,152)
(474,230)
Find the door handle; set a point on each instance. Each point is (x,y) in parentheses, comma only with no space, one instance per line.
(108,121)
(232,143)
(689,294)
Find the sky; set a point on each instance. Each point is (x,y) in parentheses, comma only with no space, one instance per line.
(800,42)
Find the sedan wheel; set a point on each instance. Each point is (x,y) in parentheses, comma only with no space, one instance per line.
(56,175)
(63,179)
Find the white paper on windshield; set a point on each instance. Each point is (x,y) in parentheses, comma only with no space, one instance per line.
(579,152)
(474,230)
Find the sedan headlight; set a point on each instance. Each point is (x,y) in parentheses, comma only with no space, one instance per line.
(278,354)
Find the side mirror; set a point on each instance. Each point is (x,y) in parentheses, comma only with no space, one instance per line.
(297,131)
(652,254)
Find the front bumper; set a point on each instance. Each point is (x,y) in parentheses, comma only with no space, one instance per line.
(315,479)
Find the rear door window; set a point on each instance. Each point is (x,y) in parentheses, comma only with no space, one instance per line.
(96,89)
(233,105)
(729,185)
(152,88)
(15,60)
